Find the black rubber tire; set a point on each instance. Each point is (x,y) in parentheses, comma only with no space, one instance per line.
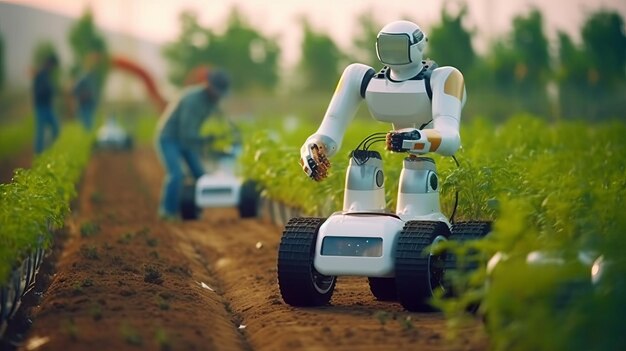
(383,289)
(300,284)
(461,232)
(418,274)
(188,209)
(466,231)
(248,200)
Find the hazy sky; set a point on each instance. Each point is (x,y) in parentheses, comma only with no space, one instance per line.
(157,20)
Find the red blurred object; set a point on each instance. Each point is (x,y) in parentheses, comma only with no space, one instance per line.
(131,67)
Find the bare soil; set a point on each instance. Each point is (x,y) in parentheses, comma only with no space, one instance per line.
(126,280)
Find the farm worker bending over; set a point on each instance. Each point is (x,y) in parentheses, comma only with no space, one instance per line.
(178,136)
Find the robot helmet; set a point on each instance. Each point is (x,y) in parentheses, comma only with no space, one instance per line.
(401,43)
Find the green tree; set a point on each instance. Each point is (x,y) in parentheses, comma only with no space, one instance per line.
(89,48)
(450,44)
(605,41)
(574,78)
(320,60)
(364,43)
(592,76)
(251,58)
(1,63)
(520,66)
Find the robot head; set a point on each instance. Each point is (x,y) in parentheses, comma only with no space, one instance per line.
(401,43)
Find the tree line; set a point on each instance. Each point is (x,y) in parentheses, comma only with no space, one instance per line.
(518,73)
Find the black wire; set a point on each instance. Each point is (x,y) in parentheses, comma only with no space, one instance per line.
(367,138)
(366,143)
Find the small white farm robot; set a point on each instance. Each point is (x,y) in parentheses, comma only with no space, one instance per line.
(423,103)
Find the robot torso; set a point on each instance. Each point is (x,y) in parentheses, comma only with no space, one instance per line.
(404,104)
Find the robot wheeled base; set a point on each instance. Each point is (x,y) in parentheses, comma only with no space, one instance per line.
(415,274)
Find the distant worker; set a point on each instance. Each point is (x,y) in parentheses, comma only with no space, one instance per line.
(43,100)
(178,136)
(86,93)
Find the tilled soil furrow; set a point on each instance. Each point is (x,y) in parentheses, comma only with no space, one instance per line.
(124,281)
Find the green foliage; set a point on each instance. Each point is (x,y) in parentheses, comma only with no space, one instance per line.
(605,41)
(520,65)
(450,44)
(2,74)
(557,190)
(37,200)
(89,49)
(251,58)
(320,60)
(364,43)
(560,195)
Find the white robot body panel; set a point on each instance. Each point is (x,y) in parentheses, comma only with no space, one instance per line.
(357,244)
(343,106)
(404,104)
(218,189)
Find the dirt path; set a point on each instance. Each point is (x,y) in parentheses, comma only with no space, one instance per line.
(127,281)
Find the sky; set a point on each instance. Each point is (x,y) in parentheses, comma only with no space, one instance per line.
(157,20)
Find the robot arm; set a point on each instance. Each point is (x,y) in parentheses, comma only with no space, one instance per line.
(443,138)
(449,97)
(326,141)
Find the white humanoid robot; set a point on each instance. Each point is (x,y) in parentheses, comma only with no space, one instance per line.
(423,103)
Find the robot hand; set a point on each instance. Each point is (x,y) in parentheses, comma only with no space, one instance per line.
(408,140)
(313,159)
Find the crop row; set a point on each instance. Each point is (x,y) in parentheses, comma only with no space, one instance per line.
(556,193)
(34,204)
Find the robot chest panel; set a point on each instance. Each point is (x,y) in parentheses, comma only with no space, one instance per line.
(401,103)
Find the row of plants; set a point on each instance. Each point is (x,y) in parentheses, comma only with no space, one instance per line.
(556,195)
(37,200)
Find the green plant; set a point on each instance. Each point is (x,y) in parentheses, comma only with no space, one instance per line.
(88,229)
(70,328)
(96,312)
(89,252)
(130,334)
(152,275)
(557,189)
(36,202)
(163,340)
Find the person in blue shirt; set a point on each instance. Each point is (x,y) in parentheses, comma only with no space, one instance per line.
(178,137)
(43,100)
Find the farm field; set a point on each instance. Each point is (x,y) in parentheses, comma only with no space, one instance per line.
(126,280)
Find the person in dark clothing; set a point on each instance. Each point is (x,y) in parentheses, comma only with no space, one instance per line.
(43,99)
(178,136)
(85,93)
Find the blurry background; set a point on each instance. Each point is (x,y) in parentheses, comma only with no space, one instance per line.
(555,59)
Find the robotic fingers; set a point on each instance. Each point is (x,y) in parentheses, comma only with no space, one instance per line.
(314,161)
(413,141)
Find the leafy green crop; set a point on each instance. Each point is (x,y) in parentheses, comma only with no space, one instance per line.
(555,191)
(37,200)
